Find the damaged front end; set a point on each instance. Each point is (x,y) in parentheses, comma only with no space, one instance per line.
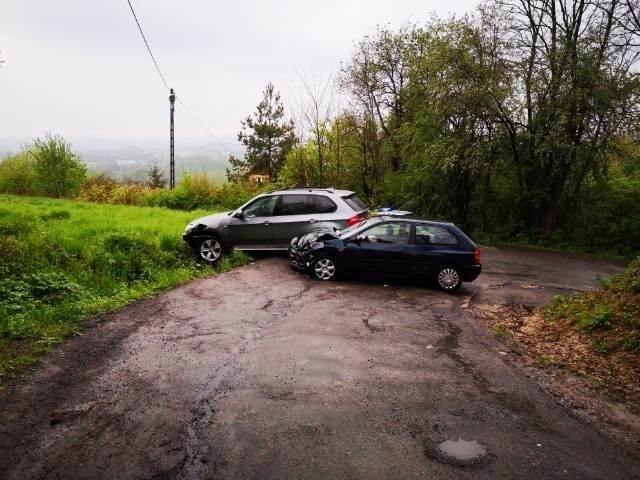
(302,250)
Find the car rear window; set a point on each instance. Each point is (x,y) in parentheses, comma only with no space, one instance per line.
(355,203)
(433,235)
(321,204)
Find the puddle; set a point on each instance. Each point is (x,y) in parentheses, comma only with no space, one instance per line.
(459,453)
(462,450)
(373,324)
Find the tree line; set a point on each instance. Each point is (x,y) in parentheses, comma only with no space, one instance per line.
(517,120)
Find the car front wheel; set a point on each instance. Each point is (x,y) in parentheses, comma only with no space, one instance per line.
(448,279)
(323,269)
(209,250)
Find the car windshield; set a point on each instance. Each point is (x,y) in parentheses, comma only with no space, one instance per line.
(353,228)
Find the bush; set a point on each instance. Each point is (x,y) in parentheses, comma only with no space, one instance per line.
(611,314)
(607,218)
(59,172)
(17,175)
(97,189)
(194,191)
(48,168)
(232,195)
(102,189)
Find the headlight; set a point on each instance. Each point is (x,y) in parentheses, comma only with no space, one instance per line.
(189,228)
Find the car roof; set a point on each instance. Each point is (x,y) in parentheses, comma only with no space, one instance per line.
(340,193)
(409,218)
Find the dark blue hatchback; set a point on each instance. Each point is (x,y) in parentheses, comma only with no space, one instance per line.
(391,247)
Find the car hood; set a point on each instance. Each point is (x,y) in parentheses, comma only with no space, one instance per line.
(213,221)
(313,237)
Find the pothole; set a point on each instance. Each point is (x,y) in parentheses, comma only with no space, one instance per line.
(373,324)
(463,450)
(458,452)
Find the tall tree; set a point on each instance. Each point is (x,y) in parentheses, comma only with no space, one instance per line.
(376,78)
(450,136)
(318,109)
(267,137)
(576,87)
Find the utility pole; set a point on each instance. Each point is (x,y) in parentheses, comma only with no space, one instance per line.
(172,164)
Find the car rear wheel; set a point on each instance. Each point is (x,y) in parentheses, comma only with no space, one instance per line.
(209,250)
(323,269)
(448,279)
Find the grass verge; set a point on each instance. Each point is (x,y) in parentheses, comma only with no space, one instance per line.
(595,335)
(62,261)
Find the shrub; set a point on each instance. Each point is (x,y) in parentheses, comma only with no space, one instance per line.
(102,189)
(131,194)
(232,195)
(196,190)
(60,172)
(611,314)
(17,175)
(97,189)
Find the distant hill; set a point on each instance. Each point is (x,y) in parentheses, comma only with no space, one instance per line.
(129,160)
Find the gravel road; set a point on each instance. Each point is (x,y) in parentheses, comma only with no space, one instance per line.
(263,373)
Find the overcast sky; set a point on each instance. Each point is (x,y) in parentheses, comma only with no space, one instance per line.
(80,68)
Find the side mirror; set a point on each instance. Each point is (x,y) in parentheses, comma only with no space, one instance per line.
(237,214)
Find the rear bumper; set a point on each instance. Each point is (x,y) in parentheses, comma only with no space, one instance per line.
(471,272)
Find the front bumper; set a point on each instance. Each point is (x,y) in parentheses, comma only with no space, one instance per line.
(299,259)
(471,272)
(191,239)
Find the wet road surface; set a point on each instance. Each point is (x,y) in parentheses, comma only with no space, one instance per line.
(263,373)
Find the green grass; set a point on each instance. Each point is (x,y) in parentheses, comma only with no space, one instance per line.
(611,315)
(62,261)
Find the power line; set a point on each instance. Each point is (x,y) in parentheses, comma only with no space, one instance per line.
(224,148)
(147,44)
(198,121)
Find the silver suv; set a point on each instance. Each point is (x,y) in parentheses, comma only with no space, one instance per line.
(269,221)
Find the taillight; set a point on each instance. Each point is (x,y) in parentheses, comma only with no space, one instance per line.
(355,219)
(476,255)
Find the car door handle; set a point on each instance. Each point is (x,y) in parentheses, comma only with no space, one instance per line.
(266,224)
(313,220)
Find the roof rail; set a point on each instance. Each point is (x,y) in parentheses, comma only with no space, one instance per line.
(310,188)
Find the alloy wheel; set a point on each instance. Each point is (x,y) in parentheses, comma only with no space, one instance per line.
(448,278)
(210,250)
(324,269)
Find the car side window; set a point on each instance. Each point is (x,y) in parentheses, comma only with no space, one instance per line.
(321,204)
(432,235)
(262,207)
(293,205)
(392,232)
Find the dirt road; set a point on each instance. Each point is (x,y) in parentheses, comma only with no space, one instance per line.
(263,373)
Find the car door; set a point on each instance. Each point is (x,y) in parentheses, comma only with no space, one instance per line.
(293,217)
(433,245)
(254,229)
(382,249)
